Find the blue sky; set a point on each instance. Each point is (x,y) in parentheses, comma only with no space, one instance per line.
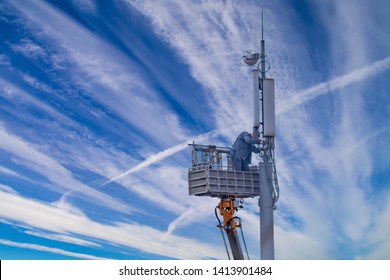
(99,99)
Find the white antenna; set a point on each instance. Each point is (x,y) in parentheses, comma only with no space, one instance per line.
(262,56)
(262,24)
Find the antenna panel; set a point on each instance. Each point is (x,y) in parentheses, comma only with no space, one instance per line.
(256,100)
(269,107)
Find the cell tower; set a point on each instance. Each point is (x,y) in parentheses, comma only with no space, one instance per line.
(212,173)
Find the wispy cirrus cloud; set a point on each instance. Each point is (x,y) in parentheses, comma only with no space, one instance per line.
(107,73)
(88,6)
(125,129)
(62,238)
(299,135)
(29,49)
(335,142)
(155,158)
(62,178)
(8,189)
(12,173)
(204,46)
(338,83)
(49,250)
(141,237)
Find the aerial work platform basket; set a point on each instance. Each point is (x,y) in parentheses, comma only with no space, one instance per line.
(212,174)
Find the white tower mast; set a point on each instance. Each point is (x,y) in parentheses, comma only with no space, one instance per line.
(269,190)
(212,172)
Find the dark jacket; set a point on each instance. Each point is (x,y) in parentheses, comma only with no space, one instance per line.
(243,147)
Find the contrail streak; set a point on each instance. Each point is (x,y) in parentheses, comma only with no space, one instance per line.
(157,157)
(337,83)
(366,139)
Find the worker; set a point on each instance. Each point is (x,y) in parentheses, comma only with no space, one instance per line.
(242,151)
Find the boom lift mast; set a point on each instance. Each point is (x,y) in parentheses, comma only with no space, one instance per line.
(230,225)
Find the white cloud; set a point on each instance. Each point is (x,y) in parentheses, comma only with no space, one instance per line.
(18,96)
(338,83)
(194,30)
(106,73)
(325,184)
(199,34)
(30,49)
(88,6)
(378,245)
(48,249)
(62,238)
(152,159)
(199,212)
(12,173)
(4,60)
(329,182)
(36,84)
(30,157)
(292,245)
(141,237)
(8,189)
